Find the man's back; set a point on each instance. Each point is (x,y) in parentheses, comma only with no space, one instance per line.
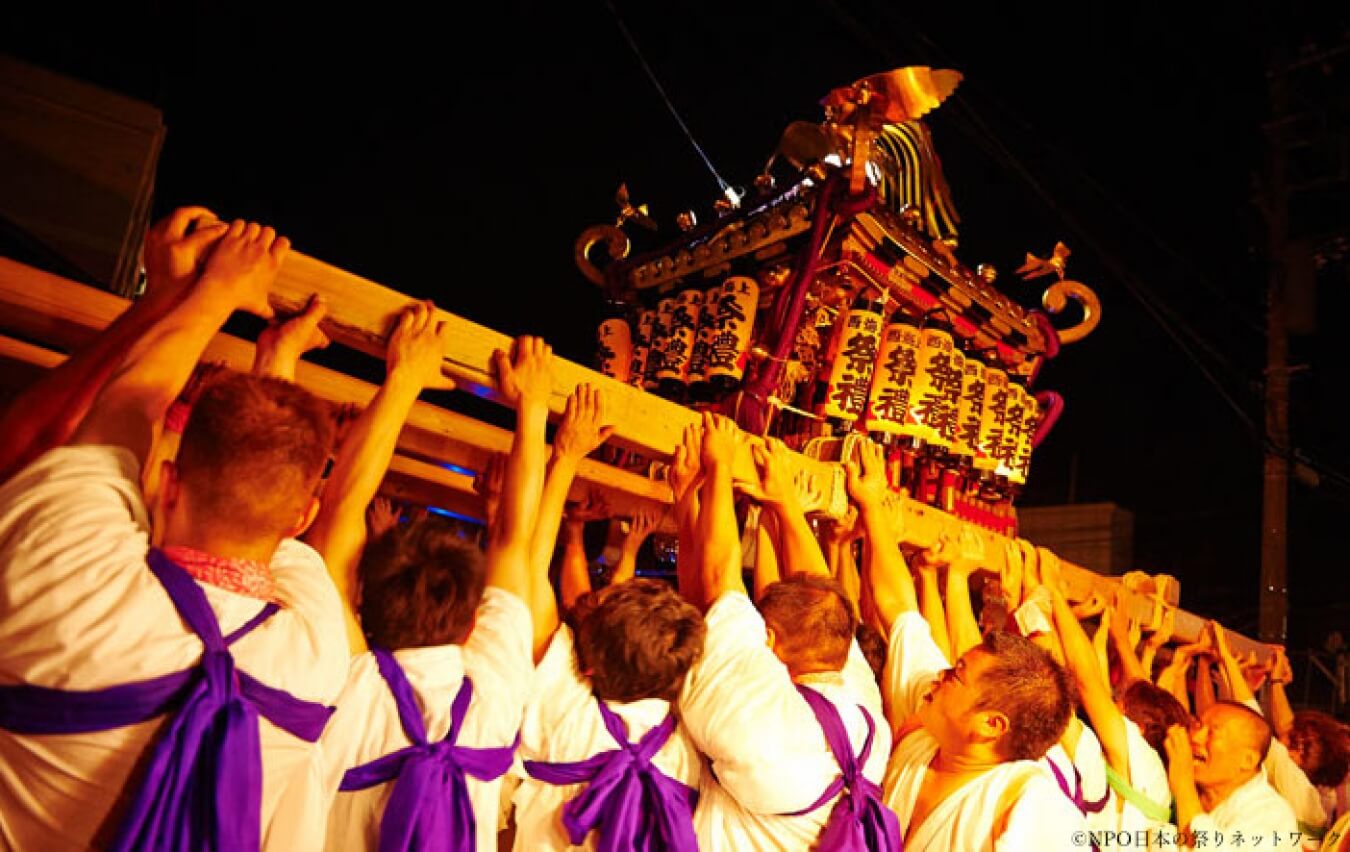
(81,611)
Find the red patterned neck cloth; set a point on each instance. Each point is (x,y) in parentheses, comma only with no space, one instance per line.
(241,576)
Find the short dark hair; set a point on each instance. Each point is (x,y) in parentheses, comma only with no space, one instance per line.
(812,620)
(420,586)
(1154,710)
(1025,684)
(636,640)
(252,452)
(1324,747)
(873,647)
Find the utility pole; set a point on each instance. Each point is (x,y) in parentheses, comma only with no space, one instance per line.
(1275,499)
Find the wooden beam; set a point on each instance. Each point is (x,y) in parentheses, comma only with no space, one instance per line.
(35,303)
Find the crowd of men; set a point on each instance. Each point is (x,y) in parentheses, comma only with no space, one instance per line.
(214,636)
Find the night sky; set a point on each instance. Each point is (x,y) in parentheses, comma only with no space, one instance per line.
(458,157)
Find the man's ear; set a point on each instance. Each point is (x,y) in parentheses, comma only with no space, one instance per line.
(1250,760)
(306,519)
(991,725)
(770,638)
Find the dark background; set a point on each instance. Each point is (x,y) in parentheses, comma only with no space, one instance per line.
(456,151)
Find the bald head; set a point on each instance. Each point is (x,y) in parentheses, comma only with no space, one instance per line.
(1229,745)
(1250,728)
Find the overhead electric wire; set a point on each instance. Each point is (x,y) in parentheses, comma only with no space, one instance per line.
(670,105)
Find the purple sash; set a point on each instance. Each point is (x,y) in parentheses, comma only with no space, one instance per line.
(202,785)
(632,802)
(429,808)
(859,820)
(1075,794)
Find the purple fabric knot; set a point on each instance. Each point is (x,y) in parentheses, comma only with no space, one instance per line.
(859,820)
(429,807)
(630,801)
(1075,793)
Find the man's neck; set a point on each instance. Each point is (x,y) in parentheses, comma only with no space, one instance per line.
(954,763)
(1215,794)
(226,548)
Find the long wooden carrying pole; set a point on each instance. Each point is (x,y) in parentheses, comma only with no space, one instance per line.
(51,311)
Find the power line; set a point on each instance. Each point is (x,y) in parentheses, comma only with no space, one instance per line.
(651,75)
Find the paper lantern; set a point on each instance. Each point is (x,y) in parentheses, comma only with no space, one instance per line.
(851,370)
(893,378)
(729,345)
(642,342)
(937,387)
(969,408)
(990,443)
(679,344)
(614,348)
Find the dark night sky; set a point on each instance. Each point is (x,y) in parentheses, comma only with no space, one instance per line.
(458,158)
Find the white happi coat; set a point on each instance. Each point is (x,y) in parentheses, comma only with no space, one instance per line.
(563,725)
(768,753)
(1019,794)
(498,660)
(80,610)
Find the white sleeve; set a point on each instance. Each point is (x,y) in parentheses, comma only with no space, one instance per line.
(1291,783)
(913,661)
(1041,818)
(555,689)
(743,712)
(498,656)
(310,601)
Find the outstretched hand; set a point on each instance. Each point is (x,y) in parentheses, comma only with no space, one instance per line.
(526,376)
(173,257)
(417,347)
(585,425)
(244,263)
(685,469)
(284,340)
(866,477)
(720,440)
(776,485)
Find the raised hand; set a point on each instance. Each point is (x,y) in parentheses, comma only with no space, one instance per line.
(381,516)
(866,478)
(1180,758)
(685,469)
(526,376)
(645,519)
(417,348)
(1090,608)
(1280,670)
(173,257)
(720,440)
(776,485)
(283,341)
(1014,562)
(594,508)
(584,424)
(244,263)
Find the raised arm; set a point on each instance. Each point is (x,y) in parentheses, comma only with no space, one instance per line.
(929,566)
(889,584)
(1119,632)
(766,553)
(966,556)
(840,535)
(644,520)
(1093,686)
(524,381)
(412,363)
(1281,713)
(282,343)
(1155,641)
(237,276)
(777,491)
(48,412)
(685,476)
(1238,688)
(574,574)
(719,542)
(582,431)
